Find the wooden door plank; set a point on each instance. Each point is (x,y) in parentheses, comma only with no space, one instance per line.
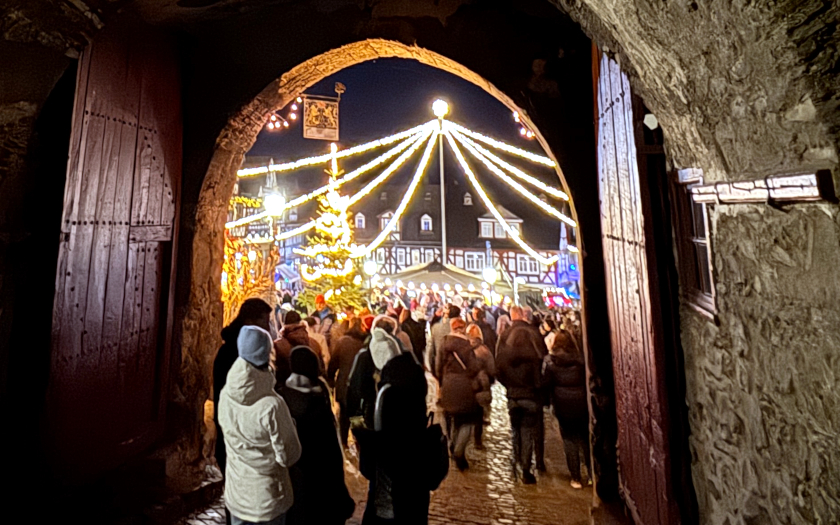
(77,142)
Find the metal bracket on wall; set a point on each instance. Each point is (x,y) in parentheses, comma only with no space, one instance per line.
(804,187)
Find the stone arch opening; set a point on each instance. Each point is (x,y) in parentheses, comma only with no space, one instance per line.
(203,318)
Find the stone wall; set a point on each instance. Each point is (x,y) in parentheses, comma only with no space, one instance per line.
(742,90)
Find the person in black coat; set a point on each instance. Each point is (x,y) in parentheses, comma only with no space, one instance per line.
(519,361)
(341,362)
(564,374)
(253,312)
(488,333)
(392,452)
(320,494)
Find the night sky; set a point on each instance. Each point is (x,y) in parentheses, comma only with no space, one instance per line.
(386,96)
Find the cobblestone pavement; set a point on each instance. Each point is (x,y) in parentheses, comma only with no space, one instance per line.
(486,494)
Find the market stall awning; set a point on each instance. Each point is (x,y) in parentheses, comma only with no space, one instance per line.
(442,274)
(287,273)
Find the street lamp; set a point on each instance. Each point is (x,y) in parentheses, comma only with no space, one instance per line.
(440,108)
(490,275)
(370,267)
(274,204)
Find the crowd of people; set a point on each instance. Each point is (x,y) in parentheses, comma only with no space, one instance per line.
(281,448)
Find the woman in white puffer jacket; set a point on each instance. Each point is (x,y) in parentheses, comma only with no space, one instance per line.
(260,436)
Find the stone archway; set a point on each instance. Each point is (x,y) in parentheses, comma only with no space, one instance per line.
(203,317)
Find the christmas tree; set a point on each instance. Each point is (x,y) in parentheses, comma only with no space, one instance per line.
(331,271)
(246,273)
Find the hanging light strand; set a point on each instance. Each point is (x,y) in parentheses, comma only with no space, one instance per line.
(533,157)
(551,210)
(337,184)
(363,251)
(320,159)
(513,170)
(391,168)
(547,261)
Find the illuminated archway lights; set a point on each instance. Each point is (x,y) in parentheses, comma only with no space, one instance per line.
(408,142)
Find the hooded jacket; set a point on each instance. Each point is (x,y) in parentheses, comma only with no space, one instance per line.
(458,375)
(290,337)
(261,442)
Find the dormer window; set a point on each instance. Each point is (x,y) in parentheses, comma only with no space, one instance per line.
(293,214)
(468,199)
(543,197)
(428,195)
(360,221)
(383,196)
(426,223)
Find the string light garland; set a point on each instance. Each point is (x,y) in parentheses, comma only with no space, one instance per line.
(247,201)
(394,166)
(551,210)
(513,170)
(363,251)
(547,261)
(320,159)
(533,157)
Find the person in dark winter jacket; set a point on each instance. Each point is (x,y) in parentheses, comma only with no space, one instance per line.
(488,333)
(344,354)
(459,385)
(362,385)
(293,334)
(519,366)
(320,494)
(253,312)
(416,331)
(564,374)
(391,453)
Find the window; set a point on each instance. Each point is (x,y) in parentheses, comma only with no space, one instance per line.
(527,265)
(383,220)
(426,223)
(467,199)
(487,230)
(415,256)
(383,196)
(293,214)
(380,256)
(428,195)
(515,226)
(500,232)
(691,224)
(474,261)
(430,256)
(401,257)
(360,221)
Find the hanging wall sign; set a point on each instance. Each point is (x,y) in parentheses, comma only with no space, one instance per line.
(320,119)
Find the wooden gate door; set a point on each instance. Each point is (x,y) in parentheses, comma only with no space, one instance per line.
(641,402)
(112,310)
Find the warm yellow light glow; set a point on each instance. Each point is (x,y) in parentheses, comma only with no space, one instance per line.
(363,251)
(471,287)
(320,159)
(572,248)
(370,267)
(513,234)
(411,285)
(533,157)
(440,108)
(274,204)
(247,220)
(551,210)
(333,160)
(490,274)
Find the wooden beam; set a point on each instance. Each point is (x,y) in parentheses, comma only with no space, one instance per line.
(805,187)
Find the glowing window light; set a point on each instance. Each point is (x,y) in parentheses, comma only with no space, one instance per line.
(551,210)
(392,223)
(533,157)
(320,159)
(514,170)
(573,249)
(513,234)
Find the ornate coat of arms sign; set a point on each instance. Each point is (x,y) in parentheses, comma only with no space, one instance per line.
(320,119)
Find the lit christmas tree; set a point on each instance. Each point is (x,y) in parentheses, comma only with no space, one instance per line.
(331,270)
